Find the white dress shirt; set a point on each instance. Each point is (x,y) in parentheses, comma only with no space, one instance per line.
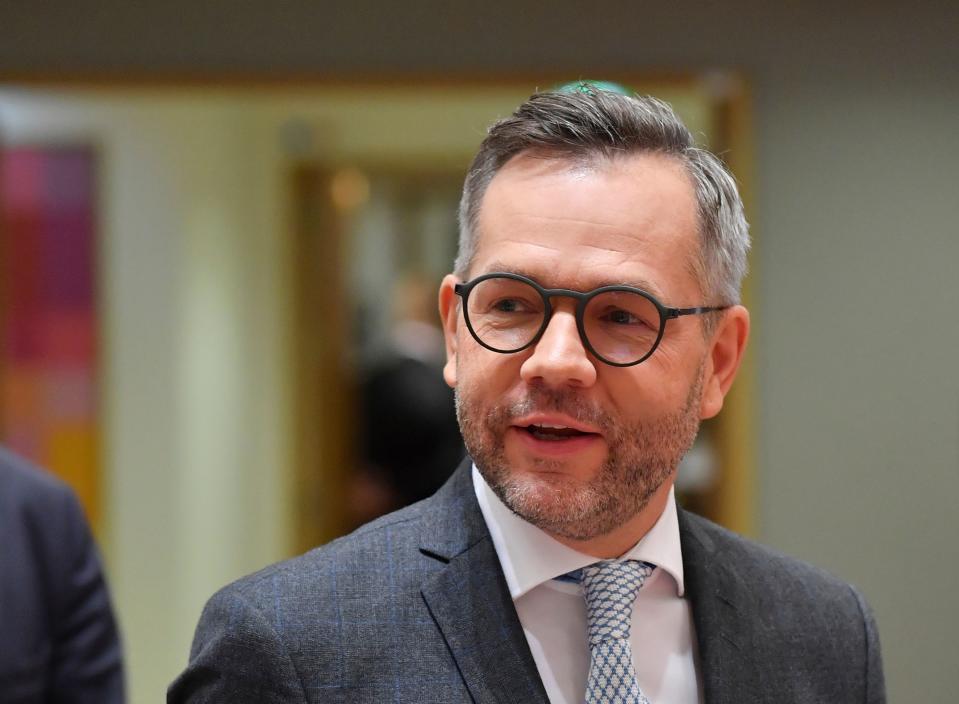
(553,612)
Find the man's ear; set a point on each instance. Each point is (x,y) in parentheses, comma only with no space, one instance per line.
(727,345)
(449,315)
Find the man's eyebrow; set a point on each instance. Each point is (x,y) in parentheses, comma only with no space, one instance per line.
(642,284)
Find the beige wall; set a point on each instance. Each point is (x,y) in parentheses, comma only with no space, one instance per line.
(859,338)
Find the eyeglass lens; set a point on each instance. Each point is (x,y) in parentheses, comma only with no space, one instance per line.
(506,314)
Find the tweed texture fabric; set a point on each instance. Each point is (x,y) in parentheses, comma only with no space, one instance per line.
(414,609)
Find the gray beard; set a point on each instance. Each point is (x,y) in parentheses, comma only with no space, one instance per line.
(641,457)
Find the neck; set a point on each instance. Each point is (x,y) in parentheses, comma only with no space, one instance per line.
(621,539)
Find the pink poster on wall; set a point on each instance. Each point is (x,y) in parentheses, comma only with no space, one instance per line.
(48,320)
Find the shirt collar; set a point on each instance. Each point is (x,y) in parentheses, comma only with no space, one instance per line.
(530,557)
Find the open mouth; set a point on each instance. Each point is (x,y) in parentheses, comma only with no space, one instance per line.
(555,433)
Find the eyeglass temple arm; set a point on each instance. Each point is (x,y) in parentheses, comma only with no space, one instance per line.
(677,312)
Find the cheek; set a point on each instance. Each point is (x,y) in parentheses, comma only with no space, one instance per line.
(647,393)
(485,373)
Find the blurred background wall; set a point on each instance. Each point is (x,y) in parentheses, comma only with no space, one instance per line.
(855,108)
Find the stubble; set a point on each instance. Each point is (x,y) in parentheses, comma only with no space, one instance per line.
(641,457)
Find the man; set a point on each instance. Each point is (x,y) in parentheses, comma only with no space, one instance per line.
(58,637)
(592,322)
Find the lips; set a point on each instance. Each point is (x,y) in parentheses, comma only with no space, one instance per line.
(548,432)
(554,429)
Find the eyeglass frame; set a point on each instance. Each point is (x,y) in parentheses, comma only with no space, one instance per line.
(582,300)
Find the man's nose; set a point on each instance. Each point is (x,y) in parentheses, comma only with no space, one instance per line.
(559,357)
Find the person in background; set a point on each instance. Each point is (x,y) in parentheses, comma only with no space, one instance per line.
(59,642)
(409,441)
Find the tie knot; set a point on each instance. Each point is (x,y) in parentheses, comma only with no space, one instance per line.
(610,588)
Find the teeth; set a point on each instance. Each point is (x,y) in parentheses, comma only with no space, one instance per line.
(554,427)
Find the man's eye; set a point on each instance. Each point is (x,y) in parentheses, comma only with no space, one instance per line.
(623,317)
(509,305)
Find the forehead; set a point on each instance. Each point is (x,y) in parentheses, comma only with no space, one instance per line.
(582,225)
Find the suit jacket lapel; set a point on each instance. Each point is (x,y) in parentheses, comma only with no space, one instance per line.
(721,617)
(471,604)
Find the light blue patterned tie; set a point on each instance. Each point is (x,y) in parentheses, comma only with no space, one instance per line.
(610,590)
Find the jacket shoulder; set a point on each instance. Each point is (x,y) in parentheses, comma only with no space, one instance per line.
(323,594)
(329,618)
(797,618)
(764,568)
(41,517)
(26,487)
(386,558)
(368,552)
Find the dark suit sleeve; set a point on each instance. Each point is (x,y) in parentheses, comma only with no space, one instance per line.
(86,661)
(875,681)
(236,657)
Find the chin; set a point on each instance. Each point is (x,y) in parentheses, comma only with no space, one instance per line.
(561,474)
(559,504)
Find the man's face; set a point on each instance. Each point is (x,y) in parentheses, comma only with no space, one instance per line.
(569,443)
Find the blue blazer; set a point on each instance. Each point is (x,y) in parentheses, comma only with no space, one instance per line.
(414,608)
(58,636)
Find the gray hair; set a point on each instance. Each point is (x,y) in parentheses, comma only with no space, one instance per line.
(590,123)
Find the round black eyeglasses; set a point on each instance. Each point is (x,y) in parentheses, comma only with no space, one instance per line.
(620,325)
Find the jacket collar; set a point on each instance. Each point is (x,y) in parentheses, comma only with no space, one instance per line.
(470,602)
(721,615)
